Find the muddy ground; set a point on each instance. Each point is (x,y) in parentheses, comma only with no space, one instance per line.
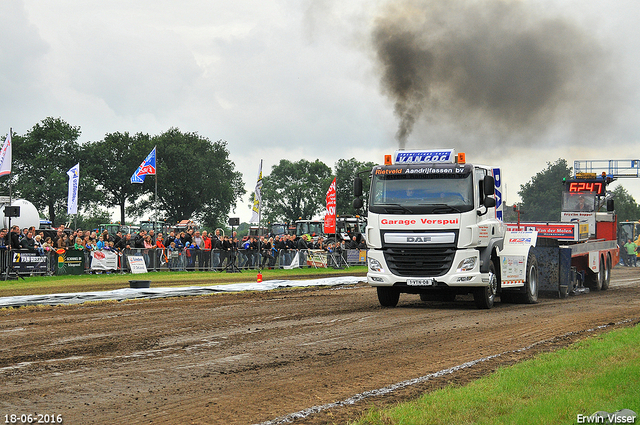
(258,357)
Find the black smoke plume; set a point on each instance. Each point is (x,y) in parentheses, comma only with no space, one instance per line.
(497,65)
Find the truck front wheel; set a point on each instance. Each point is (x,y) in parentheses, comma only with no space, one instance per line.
(387,296)
(484,297)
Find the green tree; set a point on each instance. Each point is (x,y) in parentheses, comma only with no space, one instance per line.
(41,159)
(111,162)
(346,172)
(542,195)
(625,205)
(196,179)
(295,189)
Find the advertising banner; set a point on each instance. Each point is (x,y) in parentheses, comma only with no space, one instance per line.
(70,262)
(104,260)
(28,262)
(330,216)
(136,264)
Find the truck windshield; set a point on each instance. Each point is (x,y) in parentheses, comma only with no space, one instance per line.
(309,228)
(435,192)
(574,202)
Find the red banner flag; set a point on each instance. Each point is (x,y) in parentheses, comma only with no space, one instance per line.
(330,216)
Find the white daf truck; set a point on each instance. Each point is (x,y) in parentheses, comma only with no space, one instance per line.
(435,229)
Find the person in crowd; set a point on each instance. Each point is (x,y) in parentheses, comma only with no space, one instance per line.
(280,247)
(292,247)
(3,238)
(265,250)
(100,243)
(183,239)
(206,250)
(125,243)
(217,246)
(179,242)
(303,247)
(15,237)
(47,244)
(27,242)
(138,242)
(254,252)
(117,237)
(78,244)
(174,256)
(198,245)
(631,248)
(242,246)
(225,255)
(188,236)
(148,246)
(63,242)
(188,256)
(162,254)
(58,236)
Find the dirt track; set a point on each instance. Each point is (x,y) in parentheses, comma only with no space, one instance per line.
(251,358)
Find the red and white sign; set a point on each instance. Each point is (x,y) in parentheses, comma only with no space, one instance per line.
(330,216)
(104,260)
(561,231)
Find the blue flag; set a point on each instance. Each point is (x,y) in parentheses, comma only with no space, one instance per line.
(148,166)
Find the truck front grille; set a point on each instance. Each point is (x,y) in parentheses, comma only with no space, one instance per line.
(423,262)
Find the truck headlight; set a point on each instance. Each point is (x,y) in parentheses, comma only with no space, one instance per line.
(375,266)
(467,265)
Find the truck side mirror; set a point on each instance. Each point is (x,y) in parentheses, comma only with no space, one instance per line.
(357,187)
(488,185)
(357,203)
(610,205)
(489,202)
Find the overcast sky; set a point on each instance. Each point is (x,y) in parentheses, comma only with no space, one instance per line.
(513,83)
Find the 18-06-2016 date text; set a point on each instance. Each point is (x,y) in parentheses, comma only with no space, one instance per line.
(33,418)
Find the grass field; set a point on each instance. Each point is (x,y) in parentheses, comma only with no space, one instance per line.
(37,285)
(598,374)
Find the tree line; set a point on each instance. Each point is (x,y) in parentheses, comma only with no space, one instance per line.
(196,180)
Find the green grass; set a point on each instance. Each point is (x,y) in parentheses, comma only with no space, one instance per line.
(601,373)
(36,285)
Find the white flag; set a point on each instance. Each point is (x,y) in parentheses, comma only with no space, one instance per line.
(257,198)
(72,200)
(5,157)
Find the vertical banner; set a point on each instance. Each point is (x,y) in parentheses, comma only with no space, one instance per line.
(148,166)
(257,198)
(72,198)
(5,157)
(330,216)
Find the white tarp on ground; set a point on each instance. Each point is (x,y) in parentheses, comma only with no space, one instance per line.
(130,293)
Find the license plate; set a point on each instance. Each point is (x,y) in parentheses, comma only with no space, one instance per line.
(420,282)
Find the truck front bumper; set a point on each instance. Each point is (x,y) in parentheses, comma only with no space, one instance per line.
(464,272)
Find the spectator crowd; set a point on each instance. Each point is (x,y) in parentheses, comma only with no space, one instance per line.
(183,250)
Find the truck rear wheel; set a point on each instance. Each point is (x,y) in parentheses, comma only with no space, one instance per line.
(484,297)
(607,275)
(596,279)
(529,294)
(387,296)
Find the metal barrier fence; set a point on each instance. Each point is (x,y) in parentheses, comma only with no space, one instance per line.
(23,262)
